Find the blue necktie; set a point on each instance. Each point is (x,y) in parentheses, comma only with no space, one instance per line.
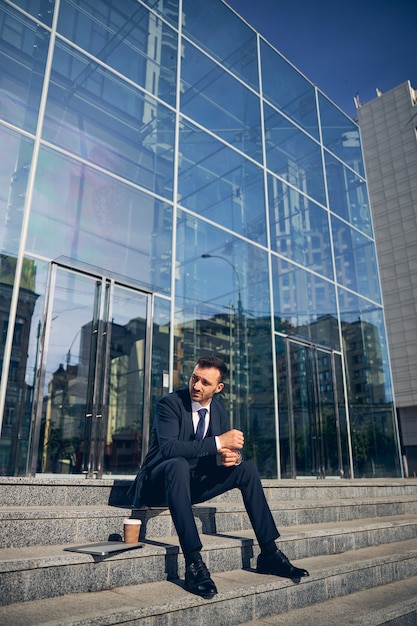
(201,426)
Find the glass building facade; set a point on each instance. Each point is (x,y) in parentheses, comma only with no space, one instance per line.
(172,186)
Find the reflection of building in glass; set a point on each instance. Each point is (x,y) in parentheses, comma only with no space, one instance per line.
(125,397)
(176,198)
(62,422)
(16,422)
(364,362)
(367,395)
(65,407)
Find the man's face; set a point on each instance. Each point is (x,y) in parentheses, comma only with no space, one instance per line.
(204,383)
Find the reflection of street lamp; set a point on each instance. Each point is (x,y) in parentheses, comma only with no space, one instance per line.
(239,325)
(223,258)
(68,356)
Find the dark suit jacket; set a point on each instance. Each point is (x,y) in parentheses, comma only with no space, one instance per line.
(173,436)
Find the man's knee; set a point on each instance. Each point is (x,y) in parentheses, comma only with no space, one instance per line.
(177,469)
(249,472)
(250,467)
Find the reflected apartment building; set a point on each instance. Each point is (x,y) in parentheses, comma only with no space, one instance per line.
(172,186)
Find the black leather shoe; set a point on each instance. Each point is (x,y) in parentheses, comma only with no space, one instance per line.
(198,581)
(277,563)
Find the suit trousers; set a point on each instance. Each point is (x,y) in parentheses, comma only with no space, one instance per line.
(174,483)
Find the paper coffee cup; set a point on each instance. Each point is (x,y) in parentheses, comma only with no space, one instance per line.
(131,530)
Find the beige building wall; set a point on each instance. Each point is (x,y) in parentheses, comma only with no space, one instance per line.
(389,131)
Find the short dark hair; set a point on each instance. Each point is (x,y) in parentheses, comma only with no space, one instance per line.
(209,360)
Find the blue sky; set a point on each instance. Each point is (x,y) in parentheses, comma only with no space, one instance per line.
(345,48)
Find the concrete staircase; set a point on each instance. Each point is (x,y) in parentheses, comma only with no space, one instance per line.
(358,539)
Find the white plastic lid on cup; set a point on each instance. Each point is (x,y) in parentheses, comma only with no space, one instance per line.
(130,520)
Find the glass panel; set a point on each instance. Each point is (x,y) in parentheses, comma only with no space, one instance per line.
(213,26)
(304,404)
(348,196)
(293,156)
(41,9)
(22,367)
(87,216)
(299,228)
(95,408)
(312,439)
(285,87)
(316,425)
(160,353)
(127,37)
(286,432)
(330,451)
(215,99)
(340,135)
(220,184)
(14,171)
(371,410)
(23,48)
(67,369)
(222,306)
(341,408)
(304,304)
(97,116)
(126,382)
(167,8)
(356,262)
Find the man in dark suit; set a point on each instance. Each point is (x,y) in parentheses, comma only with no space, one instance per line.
(194,456)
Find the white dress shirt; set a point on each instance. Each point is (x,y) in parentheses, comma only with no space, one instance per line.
(195,407)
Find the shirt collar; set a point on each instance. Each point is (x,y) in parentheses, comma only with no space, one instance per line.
(195,406)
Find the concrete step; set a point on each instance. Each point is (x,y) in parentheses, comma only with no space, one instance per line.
(31,526)
(78,491)
(243,595)
(34,525)
(394,604)
(34,572)
(339,489)
(59,491)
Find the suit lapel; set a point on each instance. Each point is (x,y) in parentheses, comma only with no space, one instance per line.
(214,428)
(188,428)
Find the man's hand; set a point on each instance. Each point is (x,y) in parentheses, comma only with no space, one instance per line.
(232,439)
(229,457)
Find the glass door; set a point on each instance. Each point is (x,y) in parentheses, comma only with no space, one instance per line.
(312,436)
(92,390)
(127,394)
